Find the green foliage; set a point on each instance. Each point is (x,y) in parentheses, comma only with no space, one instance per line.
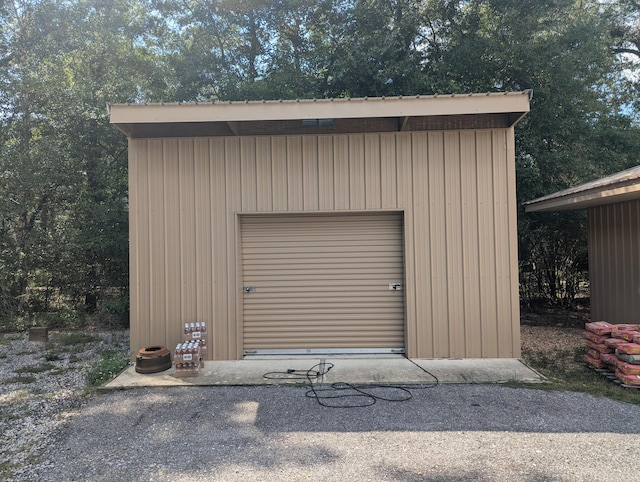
(43,367)
(63,168)
(11,336)
(575,377)
(111,363)
(575,131)
(69,339)
(115,314)
(24,379)
(52,356)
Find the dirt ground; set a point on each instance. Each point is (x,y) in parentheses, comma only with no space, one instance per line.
(553,333)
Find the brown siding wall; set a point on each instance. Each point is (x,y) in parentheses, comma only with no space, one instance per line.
(456,188)
(614,262)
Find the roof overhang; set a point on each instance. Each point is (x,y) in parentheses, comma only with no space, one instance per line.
(321,116)
(619,187)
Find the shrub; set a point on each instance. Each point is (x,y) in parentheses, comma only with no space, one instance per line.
(111,363)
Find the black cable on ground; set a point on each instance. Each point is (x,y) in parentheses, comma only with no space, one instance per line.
(435,382)
(309,374)
(347,395)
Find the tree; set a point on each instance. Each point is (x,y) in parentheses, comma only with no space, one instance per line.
(561,50)
(625,28)
(63,179)
(63,205)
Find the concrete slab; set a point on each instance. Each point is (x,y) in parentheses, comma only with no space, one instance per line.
(379,369)
(481,370)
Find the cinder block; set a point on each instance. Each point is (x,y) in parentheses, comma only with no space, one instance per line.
(39,333)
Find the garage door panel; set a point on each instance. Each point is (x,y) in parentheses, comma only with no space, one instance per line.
(322,282)
(368,304)
(285,255)
(313,339)
(320,343)
(347,315)
(345,282)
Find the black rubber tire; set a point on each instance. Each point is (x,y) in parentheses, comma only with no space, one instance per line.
(153,359)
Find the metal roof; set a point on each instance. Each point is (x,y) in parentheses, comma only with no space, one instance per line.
(622,186)
(326,116)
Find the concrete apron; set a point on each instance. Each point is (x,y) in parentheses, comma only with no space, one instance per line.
(367,370)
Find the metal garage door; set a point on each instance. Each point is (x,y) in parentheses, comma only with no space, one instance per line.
(323,283)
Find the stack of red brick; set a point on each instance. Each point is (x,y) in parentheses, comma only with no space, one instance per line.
(614,348)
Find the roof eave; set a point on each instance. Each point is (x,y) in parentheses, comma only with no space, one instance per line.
(586,199)
(126,117)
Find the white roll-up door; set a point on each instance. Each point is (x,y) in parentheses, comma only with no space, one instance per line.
(323,283)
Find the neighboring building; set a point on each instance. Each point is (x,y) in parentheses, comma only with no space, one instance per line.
(323,226)
(613,212)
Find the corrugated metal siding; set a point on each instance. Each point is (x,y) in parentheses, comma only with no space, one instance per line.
(614,262)
(322,281)
(456,188)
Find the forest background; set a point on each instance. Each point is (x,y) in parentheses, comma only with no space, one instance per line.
(63,168)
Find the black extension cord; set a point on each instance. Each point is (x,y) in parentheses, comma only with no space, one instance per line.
(350,396)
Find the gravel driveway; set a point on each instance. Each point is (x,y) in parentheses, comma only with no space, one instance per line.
(447,433)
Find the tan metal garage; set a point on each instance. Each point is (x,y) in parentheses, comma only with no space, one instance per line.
(287,225)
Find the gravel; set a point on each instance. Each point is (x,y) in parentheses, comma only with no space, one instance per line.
(51,431)
(451,432)
(42,385)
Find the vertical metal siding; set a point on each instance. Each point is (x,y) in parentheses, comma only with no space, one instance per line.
(469,233)
(404,200)
(310,180)
(137,313)
(186,224)
(439,247)
(293,156)
(264,191)
(326,184)
(220,290)
(172,257)
(453,234)
(203,231)
(503,244)
(357,176)
(341,172)
(456,188)
(511,347)
(234,204)
(614,260)
(388,171)
(279,174)
(487,246)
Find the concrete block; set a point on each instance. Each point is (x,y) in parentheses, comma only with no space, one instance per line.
(39,333)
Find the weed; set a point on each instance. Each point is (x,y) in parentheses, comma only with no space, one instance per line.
(27,352)
(113,314)
(20,379)
(75,339)
(108,367)
(566,372)
(3,356)
(6,469)
(52,356)
(45,367)
(8,338)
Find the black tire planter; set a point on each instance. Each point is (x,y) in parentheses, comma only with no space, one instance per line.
(153,359)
